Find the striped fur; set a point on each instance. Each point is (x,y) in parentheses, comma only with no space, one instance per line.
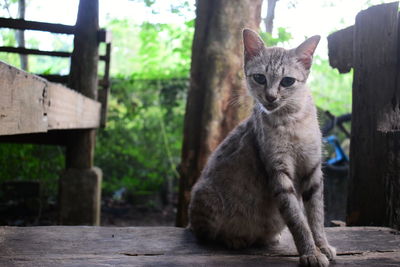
(266,174)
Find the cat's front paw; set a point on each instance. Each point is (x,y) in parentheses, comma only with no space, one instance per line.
(315,260)
(329,251)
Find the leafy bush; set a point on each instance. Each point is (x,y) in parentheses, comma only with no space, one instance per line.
(32,162)
(140,147)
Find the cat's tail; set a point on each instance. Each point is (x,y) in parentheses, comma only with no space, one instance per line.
(203,215)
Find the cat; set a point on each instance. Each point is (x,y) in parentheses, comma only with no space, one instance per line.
(266,174)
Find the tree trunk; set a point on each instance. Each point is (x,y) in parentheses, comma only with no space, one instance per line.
(20,35)
(269,20)
(217,85)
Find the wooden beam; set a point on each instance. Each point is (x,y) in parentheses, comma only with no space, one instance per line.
(22,107)
(340,49)
(80,198)
(83,76)
(374,89)
(30,104)
(105,82)
(21,24)
(68,109)
(26,51)
(105,36)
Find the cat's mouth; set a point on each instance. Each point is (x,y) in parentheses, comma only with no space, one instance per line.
(270,106)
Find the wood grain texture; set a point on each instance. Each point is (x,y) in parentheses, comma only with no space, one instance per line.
(80,188)
(22,108)
(375,59)
(30,104)
(74,210)
(68,108)
(169,246)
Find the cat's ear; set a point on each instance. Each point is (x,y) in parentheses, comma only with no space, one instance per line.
(253,44)
(305,51)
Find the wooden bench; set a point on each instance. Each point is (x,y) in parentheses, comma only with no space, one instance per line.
(171,246)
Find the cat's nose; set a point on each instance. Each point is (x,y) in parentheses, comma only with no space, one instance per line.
(271,98)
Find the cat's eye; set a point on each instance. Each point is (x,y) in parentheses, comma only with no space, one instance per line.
(287,81)
(260,78)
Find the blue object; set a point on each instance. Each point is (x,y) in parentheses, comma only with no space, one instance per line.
(340,156)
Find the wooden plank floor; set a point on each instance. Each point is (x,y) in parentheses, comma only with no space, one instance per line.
(169,246)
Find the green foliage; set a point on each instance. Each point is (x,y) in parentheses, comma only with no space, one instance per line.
(331,90)
(32,162)
(283,36)
(140,148)
(150,51)
(7,38)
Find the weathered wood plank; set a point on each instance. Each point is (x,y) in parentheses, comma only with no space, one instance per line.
(22,108)
(340,49)
(21,24)
(374,88)
(80,149)
(26,51)
(169,246)
(68,109)
(30,104)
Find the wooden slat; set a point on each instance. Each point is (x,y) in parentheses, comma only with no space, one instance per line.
(170,246)
(26,51)
(30,104)
(21,24)
(105,36)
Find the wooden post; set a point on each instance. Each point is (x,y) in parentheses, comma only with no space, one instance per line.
(216,100)
(340,45)
(375,158)
(80,184)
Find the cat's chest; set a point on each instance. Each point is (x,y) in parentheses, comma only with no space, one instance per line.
(300,145)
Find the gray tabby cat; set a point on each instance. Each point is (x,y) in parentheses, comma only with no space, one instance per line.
(267,173)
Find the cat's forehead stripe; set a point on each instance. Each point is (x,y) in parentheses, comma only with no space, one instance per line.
(275,61)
